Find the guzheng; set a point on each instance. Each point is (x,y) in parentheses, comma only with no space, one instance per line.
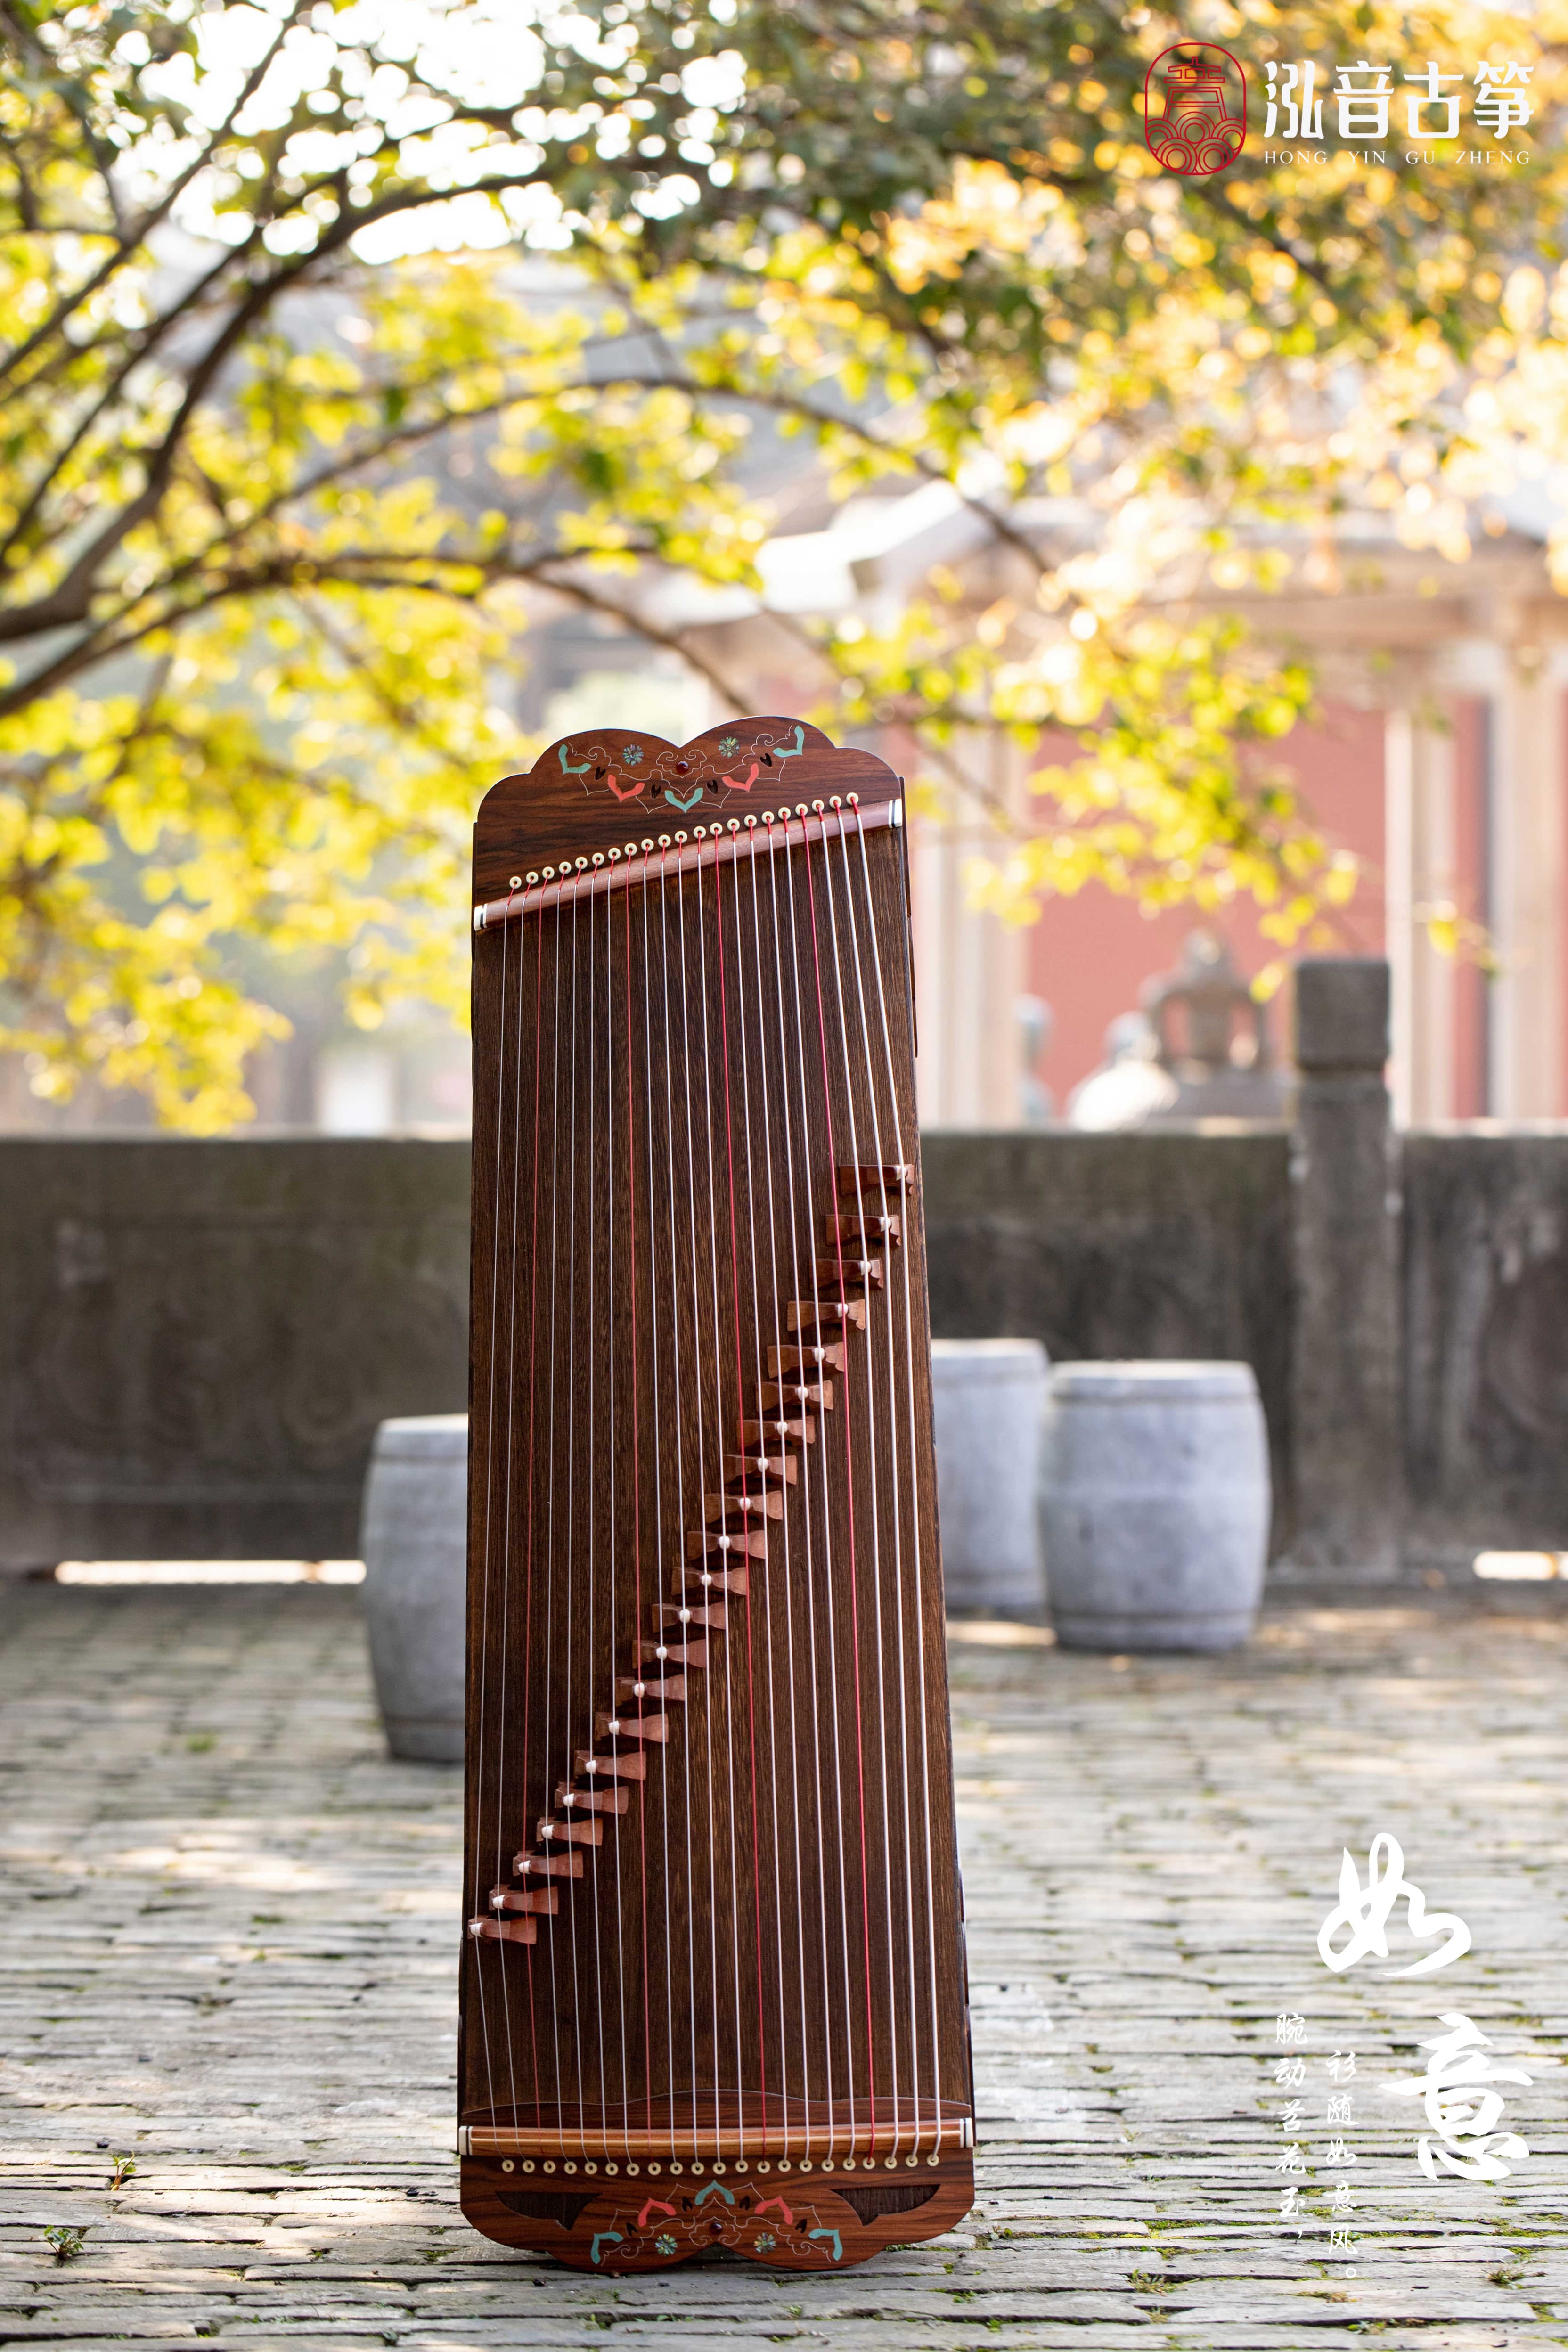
(714,1985)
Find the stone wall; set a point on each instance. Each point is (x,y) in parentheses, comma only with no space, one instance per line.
(1486,1342)
(1163,1242)
(198,1339)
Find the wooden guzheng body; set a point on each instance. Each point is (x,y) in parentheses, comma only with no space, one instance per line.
(713,1986)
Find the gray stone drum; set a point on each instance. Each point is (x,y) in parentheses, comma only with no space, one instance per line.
(986,1400)
(1154,1503)
(414,1539)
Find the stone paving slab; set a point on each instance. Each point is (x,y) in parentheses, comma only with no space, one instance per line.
(227,1949)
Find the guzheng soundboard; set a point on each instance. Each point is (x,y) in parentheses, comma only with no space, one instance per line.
(713,1986)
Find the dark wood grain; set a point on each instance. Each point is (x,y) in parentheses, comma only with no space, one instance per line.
(684,1093)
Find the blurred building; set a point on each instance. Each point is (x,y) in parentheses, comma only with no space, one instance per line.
(1439,757)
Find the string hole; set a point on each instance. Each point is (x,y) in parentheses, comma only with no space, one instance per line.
(598,856)
(507,2165)
(528,2164)
(549,2165)
(568,2166)
(654,2170)
(615,857)
(514,882)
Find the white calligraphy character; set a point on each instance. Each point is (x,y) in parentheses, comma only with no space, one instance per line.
(1365,1912)
(1462,2115)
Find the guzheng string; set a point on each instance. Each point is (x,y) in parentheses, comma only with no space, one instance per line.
(508,1484)
(890,1422)
(656,1425)
(718,1366)
(637,1515)
(829,1583)
(700,1401)
(758,1341)
(520,1808)
(854,1566)
(680,1424)
(570,1548)
(836,964)
(547,1673)
(781,1408)
(739,1410)
(914,1460)
(478,1904)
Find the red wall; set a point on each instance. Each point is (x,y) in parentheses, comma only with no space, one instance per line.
(1089,956)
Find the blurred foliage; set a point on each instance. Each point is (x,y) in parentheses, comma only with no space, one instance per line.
(338,337)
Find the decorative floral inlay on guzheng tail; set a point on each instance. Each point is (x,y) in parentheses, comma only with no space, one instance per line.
(626,769)
(750,1491)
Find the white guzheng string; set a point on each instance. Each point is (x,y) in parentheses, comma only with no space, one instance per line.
(793,1186)
(894,1521)
(836,961)
(509,1482)
(858,1556)
(478,1891)
(550,1553)
(914,1457)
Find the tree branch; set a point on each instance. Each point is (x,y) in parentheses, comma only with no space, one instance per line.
(131,238)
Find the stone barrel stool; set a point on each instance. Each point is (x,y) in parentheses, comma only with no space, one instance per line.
(987,1396)
(1154,1505)
(414,1539)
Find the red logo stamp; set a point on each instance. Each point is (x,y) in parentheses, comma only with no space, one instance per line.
(1195,108)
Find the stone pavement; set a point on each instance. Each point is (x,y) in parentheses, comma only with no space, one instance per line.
(228,1953)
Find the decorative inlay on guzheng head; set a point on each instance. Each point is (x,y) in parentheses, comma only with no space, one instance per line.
(713,1987)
